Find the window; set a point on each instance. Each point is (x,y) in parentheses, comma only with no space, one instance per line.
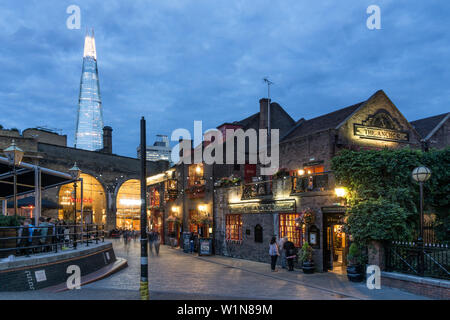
(233,227)
(196,174)
(313,169)
(193,217)
(289,229)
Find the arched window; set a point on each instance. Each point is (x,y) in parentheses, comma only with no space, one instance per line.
(94,201)
(129,205)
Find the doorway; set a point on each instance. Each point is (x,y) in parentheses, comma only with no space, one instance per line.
(336,244)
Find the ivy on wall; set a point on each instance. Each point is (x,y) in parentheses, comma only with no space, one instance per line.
(385,176)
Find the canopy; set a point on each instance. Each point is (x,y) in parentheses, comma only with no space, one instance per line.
(28,178)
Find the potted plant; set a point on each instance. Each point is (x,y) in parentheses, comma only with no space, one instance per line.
(306,256)
(355,267)
(5,232)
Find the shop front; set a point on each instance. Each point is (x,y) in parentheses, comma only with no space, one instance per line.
(94,201)
(128,213)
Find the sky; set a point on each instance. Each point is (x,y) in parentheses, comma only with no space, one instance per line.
(177,61)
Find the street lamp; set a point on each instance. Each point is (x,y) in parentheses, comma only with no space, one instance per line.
(75,172)
(420,175)
(14,155)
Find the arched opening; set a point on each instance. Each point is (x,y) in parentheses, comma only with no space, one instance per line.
(94,201)
(129,205)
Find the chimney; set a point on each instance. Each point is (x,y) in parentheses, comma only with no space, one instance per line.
(263,113)
(107,139)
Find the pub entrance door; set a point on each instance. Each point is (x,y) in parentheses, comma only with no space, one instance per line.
(335,243)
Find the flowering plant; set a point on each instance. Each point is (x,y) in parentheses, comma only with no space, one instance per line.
(307,216)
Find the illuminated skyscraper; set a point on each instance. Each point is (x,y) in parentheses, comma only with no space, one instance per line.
(90,116)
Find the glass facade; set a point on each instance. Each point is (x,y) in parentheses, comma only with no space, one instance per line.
(89,129)
(94,201)
(129,205)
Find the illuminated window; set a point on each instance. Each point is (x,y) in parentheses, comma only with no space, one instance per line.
(196,174)
(193,218)
(233,227)
(289,229)
(94,201)
(129,205)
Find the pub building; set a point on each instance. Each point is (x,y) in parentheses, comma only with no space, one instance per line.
(186,200)
(247,216)
(240,211)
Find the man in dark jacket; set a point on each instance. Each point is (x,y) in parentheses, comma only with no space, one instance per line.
(290,249)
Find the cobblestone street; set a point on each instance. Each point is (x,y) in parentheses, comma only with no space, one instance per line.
(177,275)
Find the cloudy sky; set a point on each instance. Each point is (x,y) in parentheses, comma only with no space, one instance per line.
(183,60)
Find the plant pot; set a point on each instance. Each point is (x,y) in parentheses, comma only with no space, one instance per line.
(308,267)
(10,243)
(355,273)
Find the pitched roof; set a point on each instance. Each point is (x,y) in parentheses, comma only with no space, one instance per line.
(426,125)
(327,121)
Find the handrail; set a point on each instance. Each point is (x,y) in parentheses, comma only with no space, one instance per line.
(57,237)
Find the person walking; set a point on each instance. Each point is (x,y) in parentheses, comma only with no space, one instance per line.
(282,251)
(151,239)
(157,242)
(290,250)
(274,253)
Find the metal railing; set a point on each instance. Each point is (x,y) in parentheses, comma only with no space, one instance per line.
(27,240)
(309,183)
(429,260)
(256,189)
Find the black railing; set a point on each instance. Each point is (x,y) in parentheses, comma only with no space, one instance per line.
(25,240)
(309,183)
(256,189)
(429,260)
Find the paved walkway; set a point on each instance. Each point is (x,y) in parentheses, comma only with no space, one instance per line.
(177,275)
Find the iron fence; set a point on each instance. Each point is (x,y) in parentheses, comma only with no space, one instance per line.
(256,189)
(27,240)
(427,260)
(312,182)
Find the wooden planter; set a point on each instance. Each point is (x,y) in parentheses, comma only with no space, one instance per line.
(9,243)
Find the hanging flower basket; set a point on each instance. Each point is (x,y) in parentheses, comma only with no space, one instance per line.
(173,219)
(307,216)
(206,221)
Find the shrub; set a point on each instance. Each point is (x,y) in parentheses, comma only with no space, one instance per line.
(378,220)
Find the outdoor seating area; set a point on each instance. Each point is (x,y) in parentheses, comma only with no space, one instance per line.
(27,239)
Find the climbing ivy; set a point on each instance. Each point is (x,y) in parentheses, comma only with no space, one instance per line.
(385,175)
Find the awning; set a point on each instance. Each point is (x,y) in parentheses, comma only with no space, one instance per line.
(30,201)
(26,178)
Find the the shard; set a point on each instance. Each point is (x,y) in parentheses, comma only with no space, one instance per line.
(89,130)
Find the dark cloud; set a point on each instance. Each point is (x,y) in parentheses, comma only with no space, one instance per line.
(183,60)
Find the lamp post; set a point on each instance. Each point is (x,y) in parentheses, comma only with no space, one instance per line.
(14,155)
(75,173)
(420,175)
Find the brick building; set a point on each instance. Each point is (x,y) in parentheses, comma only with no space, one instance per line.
(111,182)
(435,131)
(248,210)
(245,221)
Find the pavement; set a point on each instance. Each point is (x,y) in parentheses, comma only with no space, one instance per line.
(179,276)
